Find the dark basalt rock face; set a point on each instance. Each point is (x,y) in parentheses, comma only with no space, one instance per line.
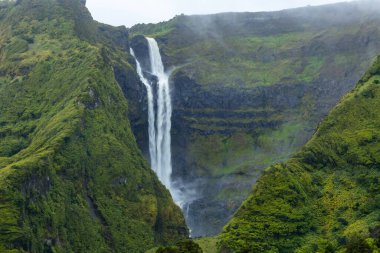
(191,104)
(224,135)
(135,92)
(139,44)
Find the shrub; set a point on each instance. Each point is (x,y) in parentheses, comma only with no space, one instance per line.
(187,246)
(357,244)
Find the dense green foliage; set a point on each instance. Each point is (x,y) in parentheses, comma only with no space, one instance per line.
(208,244)
(187,246)
(254,86)
(327,197)
(72,178)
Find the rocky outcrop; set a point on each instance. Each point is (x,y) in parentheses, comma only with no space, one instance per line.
(135,93)
(275,107)
(140,47)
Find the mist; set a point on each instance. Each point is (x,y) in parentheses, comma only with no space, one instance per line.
(118,12)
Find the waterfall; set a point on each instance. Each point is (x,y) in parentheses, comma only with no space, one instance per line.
(159,120)
(151,114)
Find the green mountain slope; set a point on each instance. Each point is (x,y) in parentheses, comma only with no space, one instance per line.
(249,90)
(72,178)
(327,197)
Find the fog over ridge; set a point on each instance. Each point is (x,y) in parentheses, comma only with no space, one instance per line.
(129,13)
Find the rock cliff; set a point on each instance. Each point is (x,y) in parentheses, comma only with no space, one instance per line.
(248,91)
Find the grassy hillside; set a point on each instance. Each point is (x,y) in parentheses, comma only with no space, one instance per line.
(250,88)
(72,178)
(326,198)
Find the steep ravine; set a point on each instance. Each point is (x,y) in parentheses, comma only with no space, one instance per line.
(245,97)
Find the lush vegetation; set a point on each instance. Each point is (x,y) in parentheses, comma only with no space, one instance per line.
(208,244)
(197,245)
(256,86)
(72,178)
(187,246)
(326,198)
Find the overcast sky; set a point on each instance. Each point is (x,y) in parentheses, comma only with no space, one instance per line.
(131,12)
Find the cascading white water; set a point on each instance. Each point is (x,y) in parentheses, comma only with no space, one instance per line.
(151,114)
(160,122)
(164,113)
(159,119)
